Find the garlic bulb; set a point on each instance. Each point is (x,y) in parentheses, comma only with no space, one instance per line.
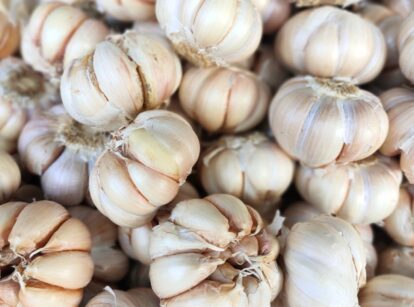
(48,251)
(348,46)
(274,13)
(61,151)
(361,192)
(299,212)
(226,100)
(214,251)
(325,263)
(397,260)
(143,167)
(388,290)
(406,47)
(111,264)
(320,121)
(125,75)
(9,34)
(210,33)
(401,7)
(132,298)
(10,176)
(399,225)
(250,167)
(57,34)
(399,104)
(130,10)
(23,93)
(343,3)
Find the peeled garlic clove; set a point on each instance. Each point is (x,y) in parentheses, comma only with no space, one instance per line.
(110,264)
(397,260)
(129,10)
(41,295)
(10,176)
(135,242)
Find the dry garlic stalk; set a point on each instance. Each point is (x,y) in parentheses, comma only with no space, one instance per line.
(211,32)
(57,34)
(320,121)
(274,13)
(224,99)
(137,297)
(325,263)
(61,151)
(214,251)
(111,264)
(45,253)
(124,75)
(23,93)
(250,167)
(401,7)
(361,192)
(388,290)
(406,47)
(336,43)
(143,167)
(397,260)
(128,10)
(10,176)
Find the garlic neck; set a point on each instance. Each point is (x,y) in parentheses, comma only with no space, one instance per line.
(333,87)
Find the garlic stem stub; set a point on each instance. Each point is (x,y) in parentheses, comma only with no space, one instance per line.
(274,13)
(143,167)
(397,260)
(209,33)
(128,10)
(125,75)
(320,121)
(10,176)
(135,297)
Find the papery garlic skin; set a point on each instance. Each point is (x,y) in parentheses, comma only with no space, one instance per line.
(401,7)
(397,260)
(348,46)
(129,10)
(406,47)
(143,168)
(224,100)
(388,290)
(361,192)
(10,176)
(250,167)
(320,121)
(211,33)
(274,13)
(57,34)
(325,263)
(132,298)
(125,74)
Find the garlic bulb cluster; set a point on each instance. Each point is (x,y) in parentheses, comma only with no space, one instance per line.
(10,176)
(226,100)
(9,34)
(347,45)
(325,263)
(320,121)
(129,10)
(44,254)
(23,92)
(214,251)
(136,297)
(274,13)
(361,192)
(397,260)
(143,167)
(111,264)
(388,290)
(401,7)
(250,167)
(406,47)
(124,75)
(61,151)
(210,33)
(57,34)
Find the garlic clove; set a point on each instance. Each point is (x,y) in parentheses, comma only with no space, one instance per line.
(111,264)
(110,297)
(8,216)
(144,296)
(10,176)
(274,277)
(136,242)
(224,273)
(258,292)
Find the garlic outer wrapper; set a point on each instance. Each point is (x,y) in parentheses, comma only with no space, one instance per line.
(131,298)
(10,176)
(128,10)
(397,260)
(274,13)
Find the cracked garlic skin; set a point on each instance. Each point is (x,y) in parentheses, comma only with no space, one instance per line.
(209,33)
(274,13)
(397,260)
(325,263)
(10,176)
(128,10)
(361,192)
(388,290)
(135,297)
(57,34)
(143,168)
(125,74)
(44,255)
(224,100)
(23,93)
(320,121)
(406,47)
(349,46)
(60,151)
(250,167)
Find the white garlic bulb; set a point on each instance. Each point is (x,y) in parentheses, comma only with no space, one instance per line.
(274,13)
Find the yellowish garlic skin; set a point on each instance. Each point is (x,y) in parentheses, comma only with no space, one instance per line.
(9,35)
(397,260)
(401,7)
(320,121)
(131,298)
(224,100)
(361,192)
(273,12)
(209,33)
(388,290)
(406,47)
(348,46)
(10,176)
(129,10)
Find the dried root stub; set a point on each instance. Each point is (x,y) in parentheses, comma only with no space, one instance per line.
(274,13)
(23,93)
(57,34)
(10,176)
(348,46)
(397,260)
(214,252)
(320,121)
(44,255)
(61,151)
(125,74)
(128,10)
(143,167)
(137,297)
(209,33)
